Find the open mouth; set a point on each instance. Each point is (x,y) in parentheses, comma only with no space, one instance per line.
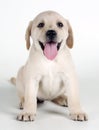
(50,49)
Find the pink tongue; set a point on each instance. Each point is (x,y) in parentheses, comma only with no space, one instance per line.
(50,50)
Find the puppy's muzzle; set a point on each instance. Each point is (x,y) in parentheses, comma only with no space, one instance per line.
(51,46)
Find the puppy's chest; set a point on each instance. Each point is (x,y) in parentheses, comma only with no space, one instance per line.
(51,85)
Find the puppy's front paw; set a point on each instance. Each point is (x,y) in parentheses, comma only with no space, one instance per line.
(79,116)
(26,117)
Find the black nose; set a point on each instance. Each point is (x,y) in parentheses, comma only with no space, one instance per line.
(51,34)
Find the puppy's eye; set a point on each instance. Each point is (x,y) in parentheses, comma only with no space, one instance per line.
(60,24)
(40,25)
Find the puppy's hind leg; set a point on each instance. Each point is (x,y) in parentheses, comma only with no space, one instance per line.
(61,100)
(21,104)
(20,88)
(21,98)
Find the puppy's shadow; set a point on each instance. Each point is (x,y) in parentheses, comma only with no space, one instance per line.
(8,98)
(58,113)
(50,108)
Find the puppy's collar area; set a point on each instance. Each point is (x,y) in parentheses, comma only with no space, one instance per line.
(50,49)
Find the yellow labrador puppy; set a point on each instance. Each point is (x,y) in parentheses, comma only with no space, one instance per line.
(49,72)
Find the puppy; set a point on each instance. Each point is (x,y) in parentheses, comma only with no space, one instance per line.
(49,72)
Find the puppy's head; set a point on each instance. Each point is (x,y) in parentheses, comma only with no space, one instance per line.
(50,33)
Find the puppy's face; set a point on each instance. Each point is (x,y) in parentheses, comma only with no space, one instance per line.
(50,32)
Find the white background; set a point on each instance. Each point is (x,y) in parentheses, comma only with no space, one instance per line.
(84,18)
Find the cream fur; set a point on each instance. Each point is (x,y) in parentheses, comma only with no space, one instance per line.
(45,79)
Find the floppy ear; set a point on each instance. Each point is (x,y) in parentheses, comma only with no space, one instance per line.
(28,34)
(69,41)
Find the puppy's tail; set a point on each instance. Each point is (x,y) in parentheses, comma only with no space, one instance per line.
(13,80)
